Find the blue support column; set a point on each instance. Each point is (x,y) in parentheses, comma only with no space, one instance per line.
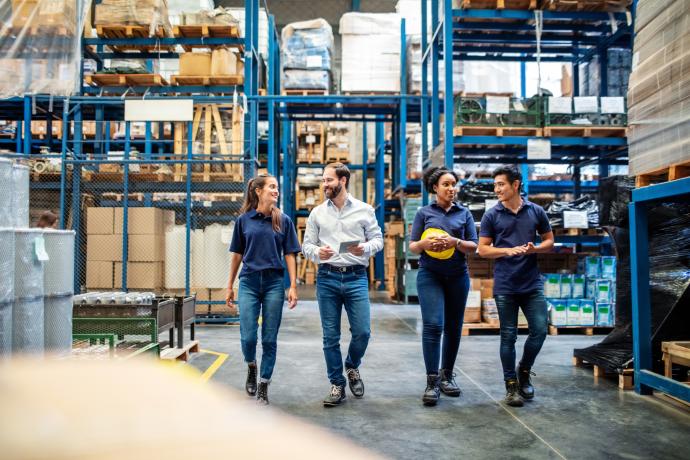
(424,106)
(99,133)
(76,197)
(380,208)
(524,168)
(125,205)
(27,126)
(63,167)
(435,104)
(188,210)
(148,145)
(18,136)
(365,161)
(448,118)
(402,153)
(272,70)
(288,189)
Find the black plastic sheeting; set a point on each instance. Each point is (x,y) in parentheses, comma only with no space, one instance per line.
(472,195)
(669,251)
(614,195)
(585,203)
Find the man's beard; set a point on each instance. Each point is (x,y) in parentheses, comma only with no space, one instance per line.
(332,192)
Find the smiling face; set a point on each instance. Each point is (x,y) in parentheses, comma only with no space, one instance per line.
(332,186)
(504,190)
(445,188)
(268,194)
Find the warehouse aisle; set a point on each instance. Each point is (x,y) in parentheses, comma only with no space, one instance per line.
(571,418)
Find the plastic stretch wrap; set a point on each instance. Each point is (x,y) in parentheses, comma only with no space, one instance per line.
(414,70)
(411,11)
(28,270)
(216,256)
(307,59)
(263,27)
(473,196)
(6,265)
(42,52)
(20,195)
(217,16)
(306,79)
(6,193)
(148,13)
(27,326)
(58,325)
(59,268)
(5,329)
(556,208)
(614,195)
(175,257)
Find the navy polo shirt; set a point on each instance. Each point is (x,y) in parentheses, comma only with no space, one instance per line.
(517,274)
(262,247)
(457,222)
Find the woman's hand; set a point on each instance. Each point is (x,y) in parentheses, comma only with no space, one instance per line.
(292,297)
(444,242)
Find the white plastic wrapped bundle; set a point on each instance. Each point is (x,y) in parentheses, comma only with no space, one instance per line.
(6,265)
(20,196)
(216,256)
(58,325)
(6,193)
(198,264)
(5,329)
(175,257)
(59,268)
(27,326)
(28,270)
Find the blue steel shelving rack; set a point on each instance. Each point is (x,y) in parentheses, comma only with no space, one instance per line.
(646,380)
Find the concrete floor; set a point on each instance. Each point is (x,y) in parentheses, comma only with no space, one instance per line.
(571,417)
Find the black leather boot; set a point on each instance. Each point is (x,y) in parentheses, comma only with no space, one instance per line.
(262,395)
(513,397)
(354,379)
(250,386)
(525,382)
(432,391)
(448,385)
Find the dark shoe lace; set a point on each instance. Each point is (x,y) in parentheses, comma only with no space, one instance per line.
(336,391)
(263,392)
(353,374)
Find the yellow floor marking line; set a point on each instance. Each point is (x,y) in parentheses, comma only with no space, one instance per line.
(220,359)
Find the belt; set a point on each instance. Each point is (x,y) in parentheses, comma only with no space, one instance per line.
(348,269)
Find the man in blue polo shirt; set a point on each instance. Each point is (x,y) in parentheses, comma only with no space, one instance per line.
(511,226)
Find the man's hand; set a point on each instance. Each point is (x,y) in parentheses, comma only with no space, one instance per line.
(531,248)
(230,297)
(516,251)
(326,252)
(292,298)
(356,249)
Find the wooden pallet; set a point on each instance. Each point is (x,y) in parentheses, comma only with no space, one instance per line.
(675,353)
(207,30)
(667,174)
(217,80)
(586,330)
(499,131)
(492,328)
(585,131)
(214,177)
(91,176)
(336,158)
(625,380)
(305,92)
(181,354)
(371,93)
(500,4)
(130,79)
(586,5)
(114,31)
(578,232)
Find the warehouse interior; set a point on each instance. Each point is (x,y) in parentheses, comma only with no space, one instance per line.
(130,132)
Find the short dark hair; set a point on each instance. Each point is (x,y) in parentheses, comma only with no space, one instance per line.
(511,172)
(341,170)
(433,174)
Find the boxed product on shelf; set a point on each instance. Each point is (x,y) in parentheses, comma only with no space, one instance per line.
(603,291)
(552,285)
(566,286)
(497,109)
(587,313)
(44,12)
(489,311)
(224,61)
(307,79)
(148,13)
(307,55)
(217,16)
(592,267)
(585,111)
(608,267)
(195,64)
(604,314)
(578,286)
(558,312)
(574,312)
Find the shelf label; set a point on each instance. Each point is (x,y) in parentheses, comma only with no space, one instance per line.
(560,105)
(497,104)
(586,104)
(159,110)
(612,105)
(314,62)
(311,139)
(538,149)
(575,219)
(208,204)
(488,204)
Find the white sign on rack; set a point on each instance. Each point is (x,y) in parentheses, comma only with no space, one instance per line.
(538,149)
(497,104)
(575,219)
(612,105)
(586,104)
(314,62)
(310,139)
(159,110)
(560,105)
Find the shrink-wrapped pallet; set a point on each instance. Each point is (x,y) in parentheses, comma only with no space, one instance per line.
(149,13)
(307,55)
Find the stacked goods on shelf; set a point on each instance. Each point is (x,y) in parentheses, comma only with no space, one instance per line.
(497,109)
(619,64)
(395,231)
(587,5)
(239,13)
(217,17)
(580,213)
(337,142)
(584,112)
(307,55)
(477,197)
(311,138)
(659,88)
(308,191)
(152,14)
(146,247)
(410,11)
(414,152)
(414,70)
(370,52)
(586,298)
(306,269)
(44,13)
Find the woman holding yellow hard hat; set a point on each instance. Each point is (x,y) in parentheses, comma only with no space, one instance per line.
(442,232)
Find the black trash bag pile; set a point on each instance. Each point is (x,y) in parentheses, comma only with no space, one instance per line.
(473,196)
(585,203)
(614,195)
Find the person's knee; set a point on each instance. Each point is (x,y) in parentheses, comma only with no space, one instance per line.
(361,336)
(538,332)
(509,335)
(269,345)
(433,329)
(331,341)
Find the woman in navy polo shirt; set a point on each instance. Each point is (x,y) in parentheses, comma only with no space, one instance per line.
(263,236)
(443,232)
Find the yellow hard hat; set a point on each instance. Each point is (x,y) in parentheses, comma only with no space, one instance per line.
(447,254)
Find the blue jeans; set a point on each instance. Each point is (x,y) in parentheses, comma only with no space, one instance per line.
(534,307)
(261,292)
(333,291)
(442,299)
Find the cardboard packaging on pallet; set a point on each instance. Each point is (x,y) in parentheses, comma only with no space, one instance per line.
(195,64)
(148,13)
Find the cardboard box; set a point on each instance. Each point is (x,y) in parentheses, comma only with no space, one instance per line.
(473,315)
(144,221)
(474,299)
(22,11)
(195,64)
(104,248)
(99,275)
(487,288)
(225,62)
(146,248)
(100,221)
(475,284)
(140,275)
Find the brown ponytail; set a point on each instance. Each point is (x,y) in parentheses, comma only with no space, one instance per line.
(251,200)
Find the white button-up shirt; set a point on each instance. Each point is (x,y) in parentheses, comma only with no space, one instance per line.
(329,226)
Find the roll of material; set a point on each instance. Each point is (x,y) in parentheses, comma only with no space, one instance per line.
(175,259)
(6,265)
(59,268)
(58,325)
(20,196)
(28,270)
(28,326)
(216,256)
(5,329)
(6,193)
(198,264)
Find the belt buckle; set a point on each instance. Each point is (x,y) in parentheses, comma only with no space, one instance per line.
(343,269)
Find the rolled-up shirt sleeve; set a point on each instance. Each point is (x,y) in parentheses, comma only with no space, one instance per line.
(310,244)
(373,234)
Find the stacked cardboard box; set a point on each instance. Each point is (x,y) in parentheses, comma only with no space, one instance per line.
(338,142)
(394,232)
(146,247)
(44,13)
(149,13)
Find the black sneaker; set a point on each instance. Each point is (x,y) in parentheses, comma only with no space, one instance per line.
(513,397)
(525,382)
(432,391)
(355,382)
(250,386)
(448,385)
(335,397)
(262,395)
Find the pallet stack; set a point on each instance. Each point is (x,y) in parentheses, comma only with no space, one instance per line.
(338,142)
(310,142)
(394,232)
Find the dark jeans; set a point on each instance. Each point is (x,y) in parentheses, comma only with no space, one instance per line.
(442,299)
(333,291)
(534,307)
(261,293)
